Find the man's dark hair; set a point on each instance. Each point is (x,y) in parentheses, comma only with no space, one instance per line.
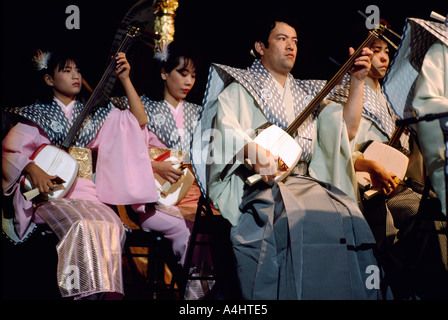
(265,26)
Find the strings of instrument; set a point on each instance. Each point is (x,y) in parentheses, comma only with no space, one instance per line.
(130,35)
(373,35)
(294,126)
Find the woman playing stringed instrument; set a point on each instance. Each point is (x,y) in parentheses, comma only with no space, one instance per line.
(170,126)
(391,210)
(172,118)
(90,233)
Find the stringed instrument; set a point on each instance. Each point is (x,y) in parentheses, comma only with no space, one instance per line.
(282,143)
(172,194)
(57,161)
(387,154)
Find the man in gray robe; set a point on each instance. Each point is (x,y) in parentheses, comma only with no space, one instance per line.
(296,239)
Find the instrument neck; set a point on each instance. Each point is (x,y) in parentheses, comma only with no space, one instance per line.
(95,95)
(330,85)
(395,139)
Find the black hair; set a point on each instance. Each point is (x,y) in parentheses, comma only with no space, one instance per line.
(382,39)
(264,27)
(57,62)
(177,53)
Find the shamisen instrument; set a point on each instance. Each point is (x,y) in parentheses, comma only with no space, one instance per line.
(57,161)
(387,154)
(282,143)
(172,194)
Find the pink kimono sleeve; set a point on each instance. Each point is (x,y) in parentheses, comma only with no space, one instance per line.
(123,174)
(17,148)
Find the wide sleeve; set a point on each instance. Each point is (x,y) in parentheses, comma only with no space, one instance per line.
(431,92)
(236,115)
(332,160)
(17,148)
(123,173)
(431,96)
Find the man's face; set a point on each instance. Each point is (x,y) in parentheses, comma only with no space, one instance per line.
(281,54)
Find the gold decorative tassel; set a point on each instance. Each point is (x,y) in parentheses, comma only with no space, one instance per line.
(164,14)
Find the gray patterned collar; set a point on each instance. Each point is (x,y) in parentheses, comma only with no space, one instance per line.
(52,120)
(261,85)
(163,124)
(373,108)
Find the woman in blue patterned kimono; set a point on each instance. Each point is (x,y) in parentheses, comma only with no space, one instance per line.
(385,214)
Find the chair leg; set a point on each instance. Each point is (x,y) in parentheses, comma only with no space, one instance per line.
(190,251)
(220,249)
(137,279)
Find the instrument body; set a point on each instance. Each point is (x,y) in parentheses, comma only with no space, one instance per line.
(281,144)
(390,158)
(62,164)
(171,194)
(387,154)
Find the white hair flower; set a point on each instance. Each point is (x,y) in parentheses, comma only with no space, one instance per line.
(161,53)
(41,59)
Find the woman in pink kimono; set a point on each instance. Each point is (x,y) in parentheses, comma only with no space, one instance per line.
(90,233)
(170,126)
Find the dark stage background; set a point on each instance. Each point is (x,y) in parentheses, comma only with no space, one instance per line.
(218,29)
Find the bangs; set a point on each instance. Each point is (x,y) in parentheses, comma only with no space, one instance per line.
(62,64)
(61,59)
(188,63)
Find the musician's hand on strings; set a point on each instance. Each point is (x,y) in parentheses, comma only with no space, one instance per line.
(39,178)
(362,64)
(166,171)
(123,67)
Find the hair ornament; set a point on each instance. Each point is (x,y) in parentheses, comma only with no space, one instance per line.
(161,53)
(41,59)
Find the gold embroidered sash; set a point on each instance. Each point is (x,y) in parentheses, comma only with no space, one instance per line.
(85,160)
